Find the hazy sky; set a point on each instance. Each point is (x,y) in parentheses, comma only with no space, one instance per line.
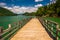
(22,6)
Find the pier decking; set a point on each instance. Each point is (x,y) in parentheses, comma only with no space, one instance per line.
(33,30)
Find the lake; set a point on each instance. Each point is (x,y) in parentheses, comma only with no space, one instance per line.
(5,20)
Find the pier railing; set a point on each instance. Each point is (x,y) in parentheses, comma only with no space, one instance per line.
(52,28)
(12,29)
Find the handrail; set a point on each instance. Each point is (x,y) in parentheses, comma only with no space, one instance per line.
(11,30)
(52,27)
(9,34)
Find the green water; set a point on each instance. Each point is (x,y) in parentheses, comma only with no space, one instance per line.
(5,20)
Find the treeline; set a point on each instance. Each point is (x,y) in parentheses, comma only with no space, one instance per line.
(5,12)
(51,10)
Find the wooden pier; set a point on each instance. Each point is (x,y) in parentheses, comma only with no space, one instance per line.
(33,30)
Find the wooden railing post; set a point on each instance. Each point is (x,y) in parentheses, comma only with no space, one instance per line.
(57,28)
(1,31)
(9,25)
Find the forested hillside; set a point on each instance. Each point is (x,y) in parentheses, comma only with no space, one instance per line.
(51,10)
(5,12)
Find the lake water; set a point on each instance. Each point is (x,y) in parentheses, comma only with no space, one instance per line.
(5,20)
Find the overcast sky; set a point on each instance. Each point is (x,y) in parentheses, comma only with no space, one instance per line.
(22,6)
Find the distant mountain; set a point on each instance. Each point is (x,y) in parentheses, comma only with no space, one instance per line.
(6,12)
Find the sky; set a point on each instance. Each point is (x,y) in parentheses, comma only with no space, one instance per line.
(22,6)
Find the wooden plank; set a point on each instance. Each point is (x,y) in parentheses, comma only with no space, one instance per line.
(33,30)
